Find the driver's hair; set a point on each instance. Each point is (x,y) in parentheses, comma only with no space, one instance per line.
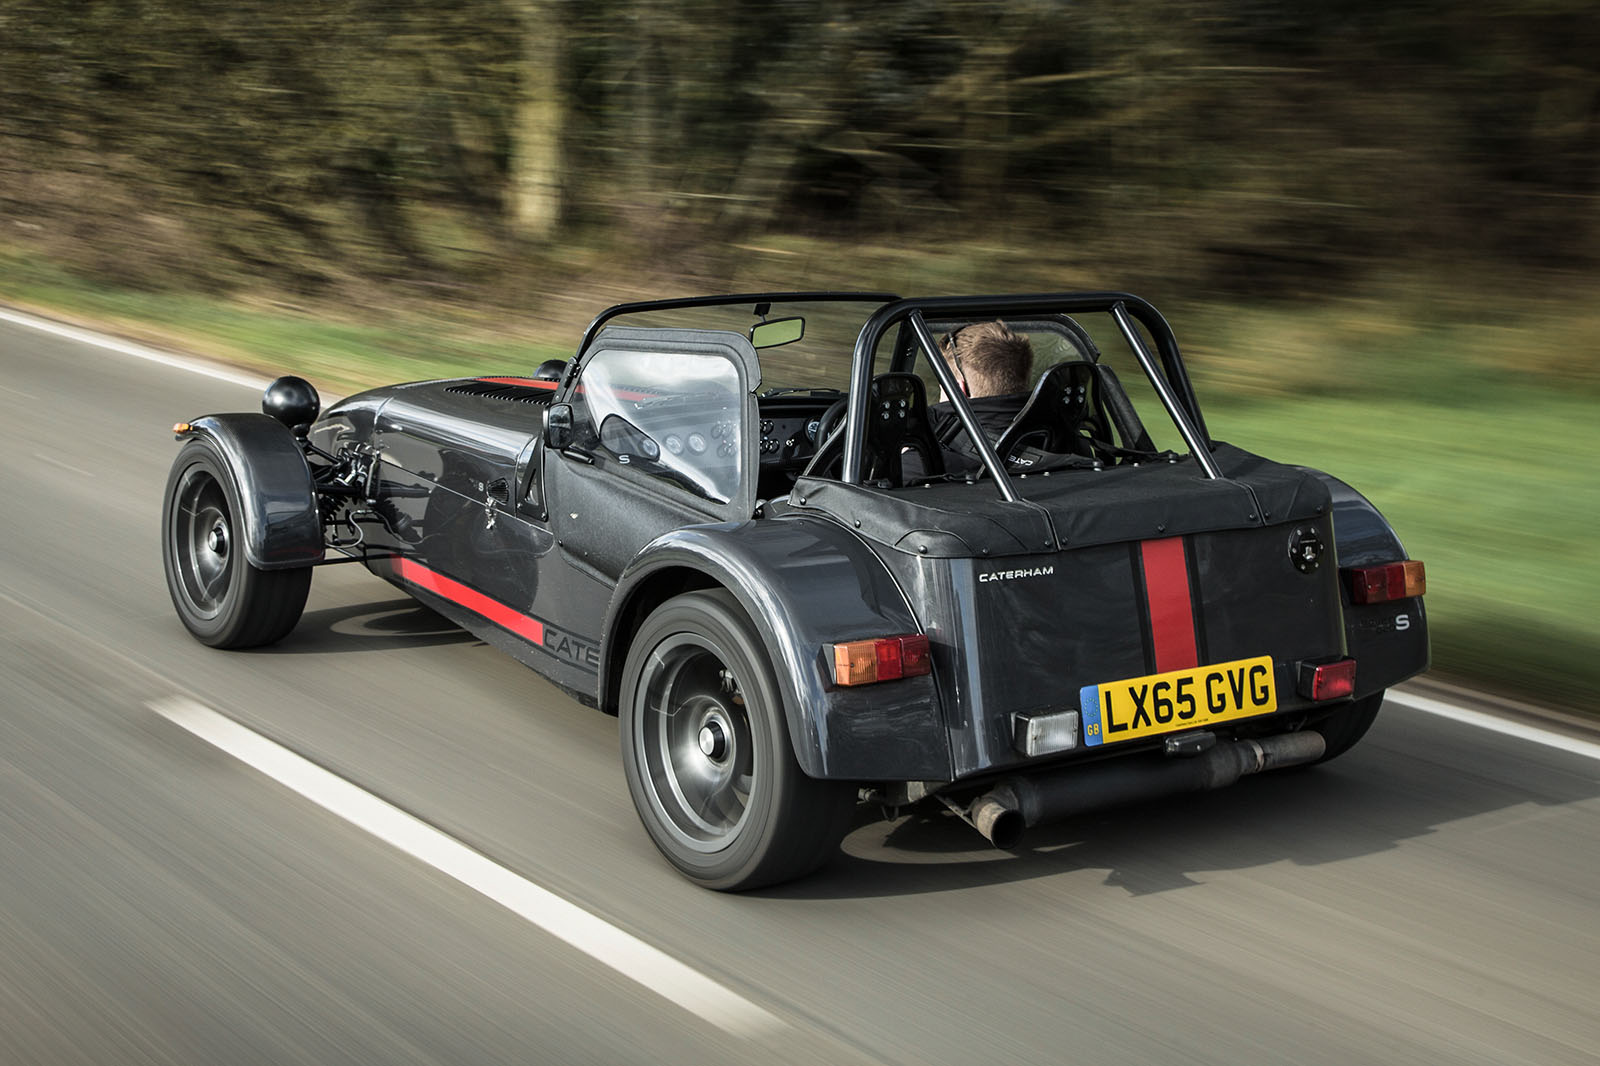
(993,358)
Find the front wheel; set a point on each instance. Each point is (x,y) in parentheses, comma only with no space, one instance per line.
(220,598)
(707,754)
(1341,729)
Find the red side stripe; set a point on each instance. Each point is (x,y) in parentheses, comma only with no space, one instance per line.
(1166,583)
(530,629)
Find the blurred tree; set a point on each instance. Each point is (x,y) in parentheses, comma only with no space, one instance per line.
(1247,145)
(536,167)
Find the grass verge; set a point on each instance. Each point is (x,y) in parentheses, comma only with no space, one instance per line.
(1505,526)
(275,337)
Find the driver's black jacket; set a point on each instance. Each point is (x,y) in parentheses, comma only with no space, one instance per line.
(994,414)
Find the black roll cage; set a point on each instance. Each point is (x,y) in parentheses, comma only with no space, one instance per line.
(1168,377)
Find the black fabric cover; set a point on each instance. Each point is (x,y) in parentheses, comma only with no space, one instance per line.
(1073,508)
(941,519)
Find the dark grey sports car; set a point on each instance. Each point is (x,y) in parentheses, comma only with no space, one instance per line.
(732,522)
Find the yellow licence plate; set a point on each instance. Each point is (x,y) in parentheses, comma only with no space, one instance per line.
(1181,699)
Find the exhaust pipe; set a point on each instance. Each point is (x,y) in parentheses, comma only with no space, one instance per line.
(997,816)
(1016,803)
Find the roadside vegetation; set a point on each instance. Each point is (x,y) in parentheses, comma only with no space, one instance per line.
(1374,226)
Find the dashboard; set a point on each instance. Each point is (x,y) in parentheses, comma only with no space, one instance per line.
(789,429)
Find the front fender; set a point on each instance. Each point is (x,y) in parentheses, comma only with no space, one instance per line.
(276,490)
(1389,641)
(804,582)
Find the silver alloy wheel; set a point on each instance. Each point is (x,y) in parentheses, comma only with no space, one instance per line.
(691,726)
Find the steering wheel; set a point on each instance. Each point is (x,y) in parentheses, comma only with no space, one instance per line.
(830,438)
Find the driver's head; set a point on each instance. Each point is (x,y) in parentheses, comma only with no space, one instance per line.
(989,358)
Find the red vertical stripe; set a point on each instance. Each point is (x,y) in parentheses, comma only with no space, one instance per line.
(529,629)
(1166,583)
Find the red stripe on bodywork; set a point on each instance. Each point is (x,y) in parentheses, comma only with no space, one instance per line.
(530,383)
(536,383)
(1166,584)
(529,629)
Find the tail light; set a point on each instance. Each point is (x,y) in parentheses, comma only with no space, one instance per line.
(862,662)
(1327,681)
(1391,581)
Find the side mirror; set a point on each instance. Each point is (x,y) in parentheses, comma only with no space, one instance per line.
(777,331)
(558,426)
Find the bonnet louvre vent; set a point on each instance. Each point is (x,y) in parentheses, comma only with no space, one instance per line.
(501,390)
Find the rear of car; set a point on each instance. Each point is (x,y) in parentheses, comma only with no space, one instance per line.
(1183,608)
(1150,603)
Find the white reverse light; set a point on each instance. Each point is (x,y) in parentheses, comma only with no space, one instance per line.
(1041,734)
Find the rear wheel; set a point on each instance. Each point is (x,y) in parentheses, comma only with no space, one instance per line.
(1341,729)
(221,599)
(707,753)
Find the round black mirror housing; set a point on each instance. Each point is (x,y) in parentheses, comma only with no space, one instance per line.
(292,401)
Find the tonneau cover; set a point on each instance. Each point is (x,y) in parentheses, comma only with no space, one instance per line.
(1073,508)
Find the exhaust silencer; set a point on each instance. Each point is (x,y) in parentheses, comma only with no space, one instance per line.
(1015,803)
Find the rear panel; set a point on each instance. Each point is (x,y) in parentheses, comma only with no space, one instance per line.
(1023,634)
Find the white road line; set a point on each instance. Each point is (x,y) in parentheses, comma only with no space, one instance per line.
(628,955)
(53,461)
(1496,724)
(138,351)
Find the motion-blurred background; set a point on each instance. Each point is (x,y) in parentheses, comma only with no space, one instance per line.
(1374,225)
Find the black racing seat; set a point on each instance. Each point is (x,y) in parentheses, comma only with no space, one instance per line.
(897,421)
(1062,415)
(1112,401)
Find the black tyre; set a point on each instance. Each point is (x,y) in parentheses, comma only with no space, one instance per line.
(1341,729)
(223,600)
(707,752)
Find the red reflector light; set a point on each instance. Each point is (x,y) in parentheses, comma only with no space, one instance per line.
(914,661)
(1391,581)
(1328,681)
(862,662)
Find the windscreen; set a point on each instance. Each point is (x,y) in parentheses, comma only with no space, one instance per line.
(674,416)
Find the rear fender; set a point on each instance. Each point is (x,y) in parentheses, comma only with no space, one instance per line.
(1389,641)
(804,583)
(276,490)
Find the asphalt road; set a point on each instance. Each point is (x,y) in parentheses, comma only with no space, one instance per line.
(1432,897)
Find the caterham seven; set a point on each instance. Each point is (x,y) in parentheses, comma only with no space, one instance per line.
(737,524)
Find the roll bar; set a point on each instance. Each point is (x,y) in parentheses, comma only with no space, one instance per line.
(1169,379)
